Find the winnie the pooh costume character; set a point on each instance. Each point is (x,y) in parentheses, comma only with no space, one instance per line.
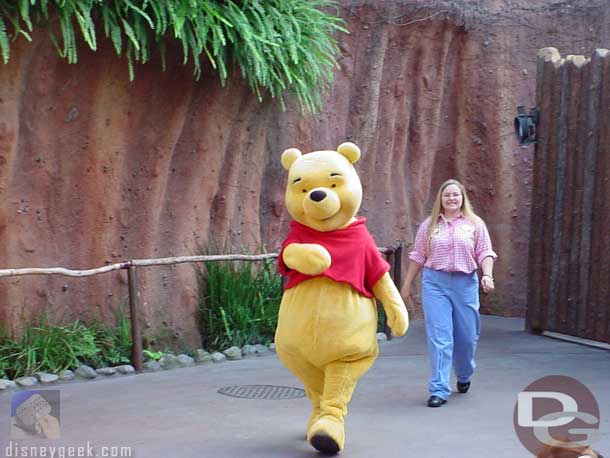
(326,333)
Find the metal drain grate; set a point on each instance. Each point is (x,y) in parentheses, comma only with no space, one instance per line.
(270,392)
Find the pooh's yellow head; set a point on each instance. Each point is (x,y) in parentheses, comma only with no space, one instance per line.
(323,190)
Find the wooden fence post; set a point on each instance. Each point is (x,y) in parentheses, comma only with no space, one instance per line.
(134,303)
(391,255)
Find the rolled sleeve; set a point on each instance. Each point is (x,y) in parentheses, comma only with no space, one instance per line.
(483,248)
(418,254)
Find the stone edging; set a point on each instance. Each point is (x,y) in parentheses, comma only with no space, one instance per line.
(168,361)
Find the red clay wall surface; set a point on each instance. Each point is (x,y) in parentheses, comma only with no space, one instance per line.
(95,170)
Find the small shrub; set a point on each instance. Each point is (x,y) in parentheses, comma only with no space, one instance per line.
(239,303)
(153,355)
(113,344)
(48,348)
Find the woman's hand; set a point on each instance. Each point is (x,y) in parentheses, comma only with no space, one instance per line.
(406,293)
(412,272)
(487,283)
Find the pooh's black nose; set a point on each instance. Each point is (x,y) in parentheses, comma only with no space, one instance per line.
(317,196)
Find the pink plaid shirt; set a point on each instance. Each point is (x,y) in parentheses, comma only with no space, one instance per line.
(455,246)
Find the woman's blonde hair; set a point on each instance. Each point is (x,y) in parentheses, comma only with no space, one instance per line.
(437,209)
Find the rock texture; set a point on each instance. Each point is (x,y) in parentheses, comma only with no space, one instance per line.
(95,170)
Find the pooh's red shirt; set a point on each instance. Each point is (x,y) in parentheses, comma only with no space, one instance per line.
(355,258)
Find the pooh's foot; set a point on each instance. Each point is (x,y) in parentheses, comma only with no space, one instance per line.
(325,444)
(315,414)
(327,436)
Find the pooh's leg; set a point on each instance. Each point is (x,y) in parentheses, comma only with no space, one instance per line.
(311,377)
(327,434)
(316,398)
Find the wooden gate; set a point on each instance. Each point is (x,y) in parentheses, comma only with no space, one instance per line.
(569,251)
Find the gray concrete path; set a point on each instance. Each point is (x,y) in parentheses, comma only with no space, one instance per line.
(179,413)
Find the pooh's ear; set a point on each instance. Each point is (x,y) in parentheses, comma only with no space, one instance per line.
(350,151)
(289,156)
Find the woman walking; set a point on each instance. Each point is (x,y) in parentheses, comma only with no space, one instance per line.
(450,245)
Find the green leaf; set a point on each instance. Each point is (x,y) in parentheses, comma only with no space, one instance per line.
(130,34)
(87,27)
(140,12)
(25,13)
(4,44)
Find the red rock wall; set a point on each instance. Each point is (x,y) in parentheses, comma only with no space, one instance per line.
(94,169)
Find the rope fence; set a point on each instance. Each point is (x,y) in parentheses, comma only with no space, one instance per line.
(134,263)
(393,254)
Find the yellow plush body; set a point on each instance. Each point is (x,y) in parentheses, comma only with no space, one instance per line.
(326,332)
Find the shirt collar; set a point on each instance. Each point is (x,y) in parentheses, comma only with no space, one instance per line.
(441,217)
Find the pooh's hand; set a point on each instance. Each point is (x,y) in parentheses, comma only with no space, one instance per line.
(395,309)
(307,258)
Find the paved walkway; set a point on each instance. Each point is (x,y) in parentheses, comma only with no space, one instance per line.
(179,413)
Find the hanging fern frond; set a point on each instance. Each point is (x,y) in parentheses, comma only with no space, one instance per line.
(279,46)
(24,10)
(83,16)
(4,44)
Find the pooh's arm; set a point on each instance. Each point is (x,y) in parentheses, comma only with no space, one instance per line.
(307,258)
(395,309)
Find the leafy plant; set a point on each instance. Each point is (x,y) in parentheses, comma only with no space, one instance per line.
(113,344)
(47,348)
(153,355)
(239,303)
(7,346)
(278,45)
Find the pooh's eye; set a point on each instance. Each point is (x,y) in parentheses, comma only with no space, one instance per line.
(304,190)
(334,186)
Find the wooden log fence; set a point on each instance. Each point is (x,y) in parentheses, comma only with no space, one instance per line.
(393,253)
(568,269)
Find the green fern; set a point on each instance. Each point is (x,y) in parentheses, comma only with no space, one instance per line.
(4,44)
(278,45)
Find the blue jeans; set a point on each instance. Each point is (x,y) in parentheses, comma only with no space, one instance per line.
(451,311)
